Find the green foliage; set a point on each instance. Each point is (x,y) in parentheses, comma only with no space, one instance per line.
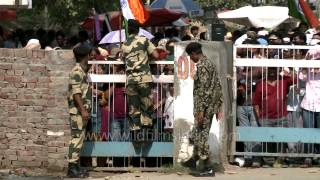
(62,13)
(224,4)
(234,4)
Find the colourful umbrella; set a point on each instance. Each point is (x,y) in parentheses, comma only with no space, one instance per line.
(186,6)
(114,36)
(7,15)
(158,17)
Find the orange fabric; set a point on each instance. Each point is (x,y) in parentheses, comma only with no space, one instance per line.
(139,11)
(310,16)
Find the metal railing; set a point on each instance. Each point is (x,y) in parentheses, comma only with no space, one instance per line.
(274,114)
(108,131)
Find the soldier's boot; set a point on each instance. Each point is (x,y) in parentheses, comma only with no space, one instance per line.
(74,171)
(191,163)
(83,170)
(204,168)
(204,173)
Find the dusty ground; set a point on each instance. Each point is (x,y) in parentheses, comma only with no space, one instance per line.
(233,173)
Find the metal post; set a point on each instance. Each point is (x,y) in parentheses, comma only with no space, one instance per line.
(318,8)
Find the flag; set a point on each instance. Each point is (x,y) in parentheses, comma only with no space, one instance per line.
(97,27)
(134,9)
(301,10)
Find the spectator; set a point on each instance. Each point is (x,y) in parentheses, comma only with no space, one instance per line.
(1,37)
(270,99)
(299,39)
(193,35)
(60,39)
(84,39)
(119,108)
(10,40)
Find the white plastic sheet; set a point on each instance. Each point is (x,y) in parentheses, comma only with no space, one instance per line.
(263,16)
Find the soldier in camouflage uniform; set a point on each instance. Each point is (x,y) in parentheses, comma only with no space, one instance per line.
(79,107)
(138,88)
(207,95)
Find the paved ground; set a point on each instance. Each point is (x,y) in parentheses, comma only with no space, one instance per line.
(234,174)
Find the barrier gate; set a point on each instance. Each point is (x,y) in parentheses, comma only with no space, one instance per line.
(108,140)
(276,99)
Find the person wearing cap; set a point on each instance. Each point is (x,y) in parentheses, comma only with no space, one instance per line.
(138,87)
(208,99)
(79,100)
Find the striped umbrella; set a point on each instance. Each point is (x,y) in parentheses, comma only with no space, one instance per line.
(186,6)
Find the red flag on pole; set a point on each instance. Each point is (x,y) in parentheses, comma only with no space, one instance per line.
(310,16)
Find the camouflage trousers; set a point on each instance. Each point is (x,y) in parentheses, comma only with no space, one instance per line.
(199,138)
(140,105)
(78,133)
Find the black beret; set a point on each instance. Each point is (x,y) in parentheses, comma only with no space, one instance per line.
(82,50)
(133,23)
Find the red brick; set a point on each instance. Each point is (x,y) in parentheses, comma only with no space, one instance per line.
(9,90)
(7,102)
(30,54)
(8,52)
(26,164)
(10,72)
(37,68)
(12,108)
(5,66)
(18,72)
(19,85)
(13,125)
(42,85)
(38,108)
(29,79)
(34,120)
(19,66)
(56,156)
(52,149)
(55,144)
(12,78)
(25,103)
(3,95)
(39,54)
(10,152)
(31,85)
(25,153)
(44,80)
(26,158)
(12,96)
(40,102)
(34,148)
(3,84)
(20,53)
(12,157)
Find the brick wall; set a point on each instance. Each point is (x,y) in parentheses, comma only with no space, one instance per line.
(34,127)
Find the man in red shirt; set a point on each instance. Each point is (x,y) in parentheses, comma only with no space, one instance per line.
(270,99)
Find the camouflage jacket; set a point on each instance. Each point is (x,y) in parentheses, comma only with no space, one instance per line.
(207,91)
(136,51)
(78,85)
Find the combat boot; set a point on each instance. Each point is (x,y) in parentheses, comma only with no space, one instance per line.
(74,171)
(82,170)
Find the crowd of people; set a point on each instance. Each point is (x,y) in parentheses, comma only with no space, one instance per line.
(266,97)
(109,117)
(278,97)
